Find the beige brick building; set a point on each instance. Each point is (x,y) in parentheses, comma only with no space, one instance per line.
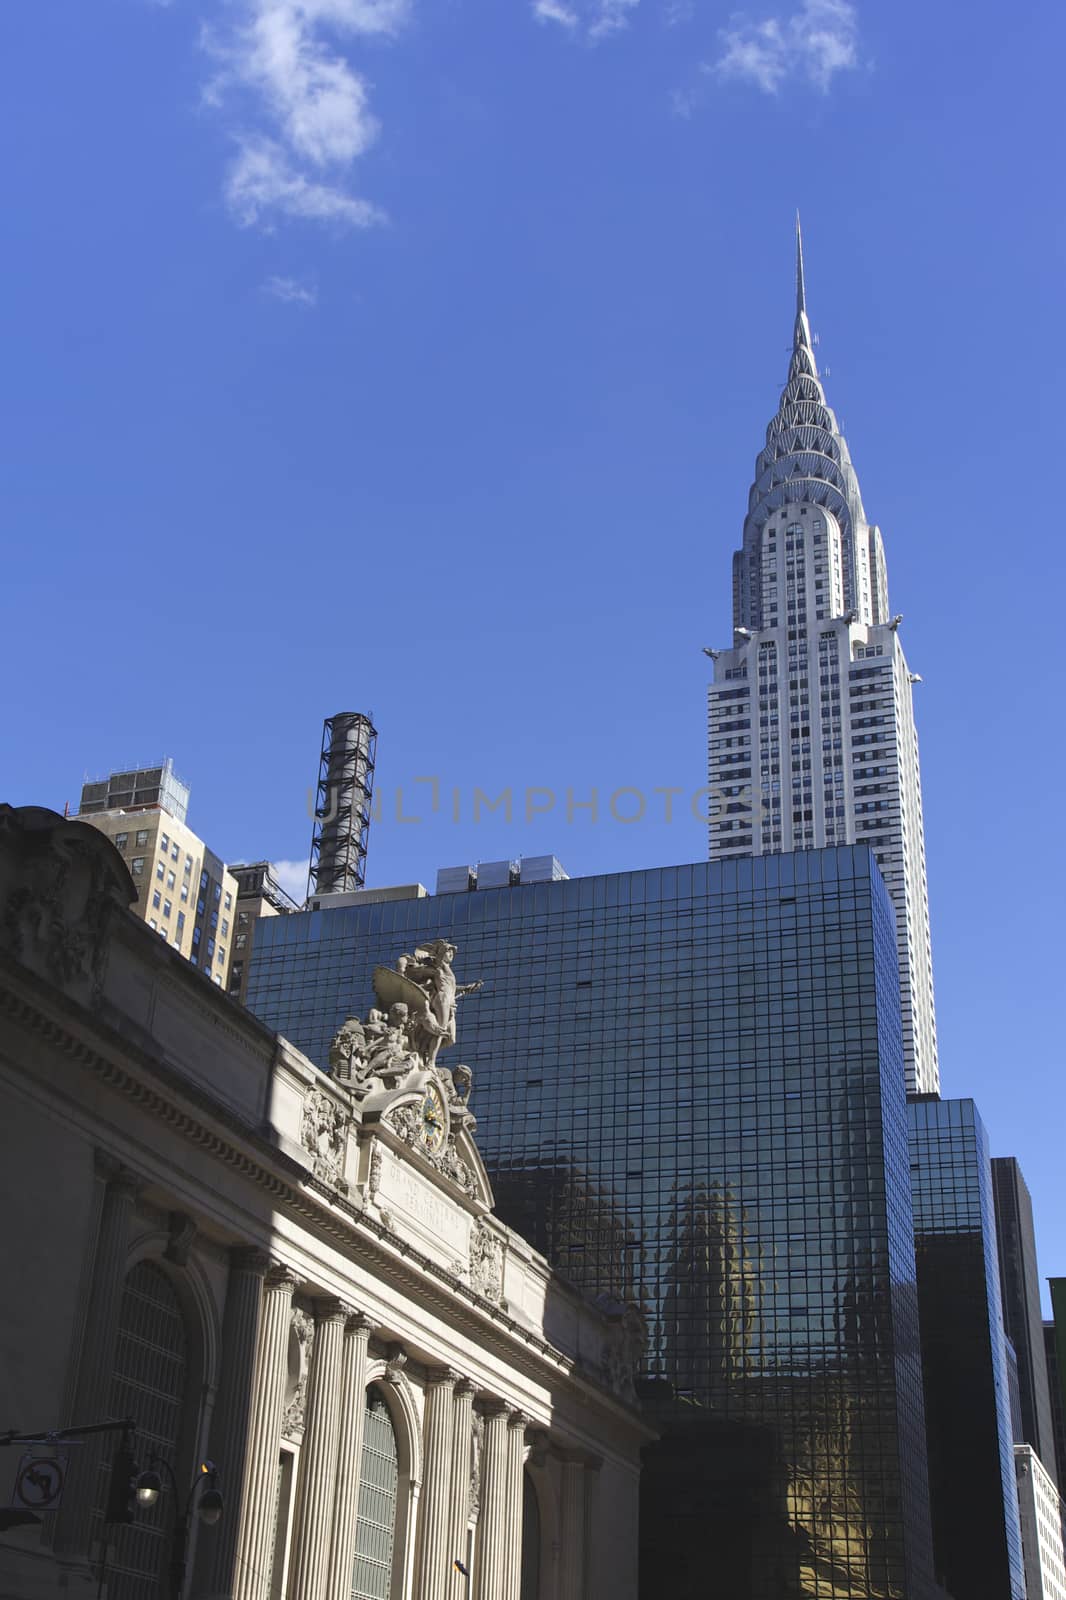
(185,893)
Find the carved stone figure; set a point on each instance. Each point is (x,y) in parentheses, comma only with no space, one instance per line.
(460,1080)
(323,1132)
(348,1052)
(486,1262)
(431,969)
(393,1056)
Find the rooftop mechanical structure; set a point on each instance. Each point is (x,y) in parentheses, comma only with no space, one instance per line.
(342,809)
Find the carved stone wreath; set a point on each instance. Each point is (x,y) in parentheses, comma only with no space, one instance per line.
(323,1133)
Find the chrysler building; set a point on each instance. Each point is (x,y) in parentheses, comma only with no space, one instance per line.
(811,722)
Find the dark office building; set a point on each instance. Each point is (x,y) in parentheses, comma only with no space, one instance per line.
(1019,1282)
(690,1093)
(973,1488)
(1055,1353)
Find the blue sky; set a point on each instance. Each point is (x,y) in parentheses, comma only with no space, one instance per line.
(413,357)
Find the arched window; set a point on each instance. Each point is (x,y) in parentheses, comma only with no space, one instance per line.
(530,1589)
(375,1528)
(151,1362)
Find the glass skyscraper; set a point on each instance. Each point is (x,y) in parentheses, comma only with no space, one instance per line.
(1019,1282)
(690,1091)
(974,1493)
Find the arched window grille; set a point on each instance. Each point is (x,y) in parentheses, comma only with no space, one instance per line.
(530,1589)
(375,1529)
(151,1362)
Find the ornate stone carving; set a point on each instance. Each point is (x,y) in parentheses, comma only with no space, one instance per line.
(59,883)
(301,1345)
(395,1362)
(324,1132)
(389,1061)
(374,1176)
(477,1446)
(623,1346)
(414,1019)
(486,1262)
(182,1231)
(405,1121)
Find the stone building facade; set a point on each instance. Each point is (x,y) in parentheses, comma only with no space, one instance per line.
(294,1277)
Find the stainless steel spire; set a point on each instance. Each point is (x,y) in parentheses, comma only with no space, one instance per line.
(810,712)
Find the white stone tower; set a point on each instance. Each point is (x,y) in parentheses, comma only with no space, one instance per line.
(811,724)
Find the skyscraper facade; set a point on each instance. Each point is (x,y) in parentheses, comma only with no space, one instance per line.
(1019,1281)
(972,1479)
(811,728)
(690,1095)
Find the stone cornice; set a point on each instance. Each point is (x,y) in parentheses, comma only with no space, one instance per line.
(183,1106)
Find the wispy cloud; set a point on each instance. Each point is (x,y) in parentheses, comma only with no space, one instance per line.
(291,291)
(292,875)
(301,110)
(814,43)
(594,19)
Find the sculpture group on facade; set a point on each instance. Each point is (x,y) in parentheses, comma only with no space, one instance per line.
(402,1035)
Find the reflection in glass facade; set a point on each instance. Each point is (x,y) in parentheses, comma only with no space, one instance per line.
(976,1532)
(1019,1282)
(689,1086)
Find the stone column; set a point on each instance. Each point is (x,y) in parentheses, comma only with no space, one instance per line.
(229,1424)
(572,1527)
(255,1540)
(434,1553)
(349,1456)
(318,1456)
(459,1517)
(92,1394)
(517,1423)
(492,1516)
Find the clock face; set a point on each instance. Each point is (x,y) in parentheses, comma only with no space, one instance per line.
(434,1120)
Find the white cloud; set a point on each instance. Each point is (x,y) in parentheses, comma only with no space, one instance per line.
(262,180)
(596,19)
(292,876)
(309,108)
(291,291)
(814,43)
(555,11)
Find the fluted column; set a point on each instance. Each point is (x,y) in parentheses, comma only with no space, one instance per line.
(517,1423)
(233,1404)
(492,1516)
(254,1543)
(459,1516)
(349,1456)
(572,1528)
(434,1556)
(318,1456)
(92,1400)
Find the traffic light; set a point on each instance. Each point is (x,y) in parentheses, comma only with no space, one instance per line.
(122,1490)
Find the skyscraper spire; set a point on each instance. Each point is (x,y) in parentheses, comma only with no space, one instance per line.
(812,703)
